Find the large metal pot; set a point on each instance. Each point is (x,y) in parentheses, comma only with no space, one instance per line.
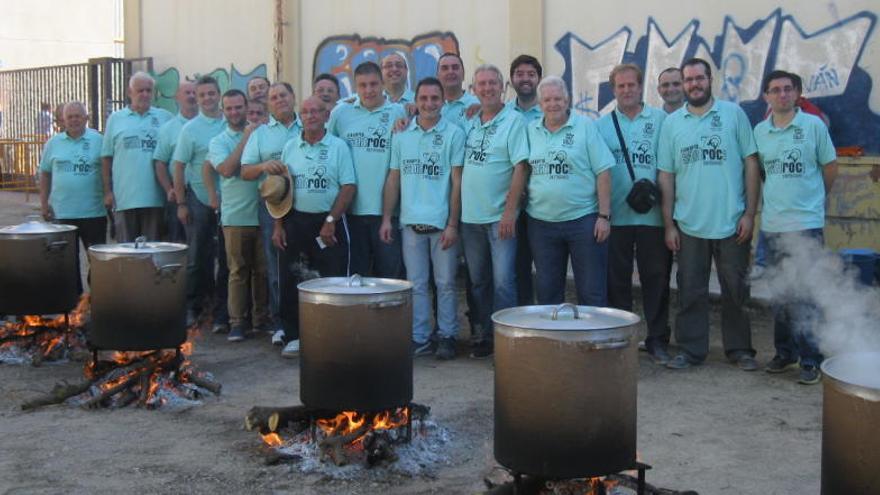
(565,390)
(355,336)
(851,424)
(38,268)
(138,295)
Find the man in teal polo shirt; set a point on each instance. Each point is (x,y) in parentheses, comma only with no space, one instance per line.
(450,72)
(366,126)
(425,175)
(321,168)
(395,76)
(130,185)
(238,216)
(261,156)
(492,184)
(636,235)
(168,134)
(194,209)
(710,182)
(71,190)
(799,163)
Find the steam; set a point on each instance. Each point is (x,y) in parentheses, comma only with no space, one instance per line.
(849,318)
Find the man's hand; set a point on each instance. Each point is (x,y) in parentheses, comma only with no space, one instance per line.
(213,202)
(183,214)
(673,240)
(171,196)
(411,109)
(472,110)
(449,237)
(109,200)
(250,128)
(279,237)
(401,124)
(744,228)
(274,167)
(48,213)
(385,231)
(601,229)
(328,233)
(507,226)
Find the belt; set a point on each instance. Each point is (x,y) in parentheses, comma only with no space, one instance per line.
(420,228)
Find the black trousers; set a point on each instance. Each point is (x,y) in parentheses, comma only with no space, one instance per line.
(89,231)
(302,229)
(647,245)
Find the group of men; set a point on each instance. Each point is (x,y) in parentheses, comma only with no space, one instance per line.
(399,183)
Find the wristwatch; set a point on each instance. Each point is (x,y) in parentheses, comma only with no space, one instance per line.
(329,219)
(605,216)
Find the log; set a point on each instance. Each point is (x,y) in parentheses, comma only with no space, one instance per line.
(60,392)
(378,448)
(200,381)
(334,446)
(271,419)
(129,381)
(419,411)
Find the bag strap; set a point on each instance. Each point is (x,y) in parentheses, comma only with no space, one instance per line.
(629,167)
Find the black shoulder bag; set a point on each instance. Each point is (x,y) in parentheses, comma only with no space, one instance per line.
(644,194)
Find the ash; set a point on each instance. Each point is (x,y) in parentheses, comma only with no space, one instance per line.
(36,346)
(427,452)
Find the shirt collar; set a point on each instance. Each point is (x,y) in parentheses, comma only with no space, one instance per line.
(795,121)
(644,113)
(713,109)
(322,142)
(295,122)
(539,123)
(440,126)
(387,102)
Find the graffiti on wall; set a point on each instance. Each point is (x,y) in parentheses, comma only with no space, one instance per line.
(169,80)
(827,60)
(339,55)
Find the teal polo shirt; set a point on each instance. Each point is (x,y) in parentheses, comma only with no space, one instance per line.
(368,134)
(793,158)
(706,155)
(192,148)
(455,111)
(240,197)
(319,170)
(492,149)
(75,165)
(565,164)
(641,135)
(267,141)
(130,139)
(530,114)
(407,97)
(168,135)
(425,159)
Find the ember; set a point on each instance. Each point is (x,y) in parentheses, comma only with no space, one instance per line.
(36,339)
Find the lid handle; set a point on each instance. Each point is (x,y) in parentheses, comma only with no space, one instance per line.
(139,242)
(572,307)
(355,281)
(33,217)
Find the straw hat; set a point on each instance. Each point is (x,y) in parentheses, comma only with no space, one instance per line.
(277,191)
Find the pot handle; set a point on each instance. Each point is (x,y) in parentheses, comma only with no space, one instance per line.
(355,281)
(387,304)
(609,344)
(557,309)
(56,245)
(167,271)
(139,243)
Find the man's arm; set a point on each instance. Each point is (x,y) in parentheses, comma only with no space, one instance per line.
(829,173)
(507,226)
(603,191)
(343,200)
(165,180)
(390,194)
(746,224)
(450,233)
(45,187)
(208,180)
(667,192)
(232,164)
(106,170)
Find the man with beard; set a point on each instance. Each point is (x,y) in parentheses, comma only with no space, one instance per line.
(710,184)
(169,132)
(669,87)
(129,179)
(262,156)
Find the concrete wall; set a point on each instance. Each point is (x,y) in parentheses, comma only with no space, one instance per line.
(36,33)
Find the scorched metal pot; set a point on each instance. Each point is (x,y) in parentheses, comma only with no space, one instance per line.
(355,336)
(851,424)
(565,390)
(38,268)
(138,295)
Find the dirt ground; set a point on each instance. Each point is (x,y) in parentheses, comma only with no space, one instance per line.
(713,428)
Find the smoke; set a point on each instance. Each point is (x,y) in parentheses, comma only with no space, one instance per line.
(849,312)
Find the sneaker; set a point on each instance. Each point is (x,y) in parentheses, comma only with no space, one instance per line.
(680,362)
(278,337)
(809,375)
(659,355)
(780,364)
(643,346)
(236,334)
(291,350)
(757,272)
(422,349)
(482,350)
(220,328)
(446,349)
(746,362)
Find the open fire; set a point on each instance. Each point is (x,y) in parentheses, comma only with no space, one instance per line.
(36,339)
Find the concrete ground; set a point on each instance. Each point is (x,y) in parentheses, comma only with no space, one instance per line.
(713,428)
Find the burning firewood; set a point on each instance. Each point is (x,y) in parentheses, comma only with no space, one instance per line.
(333,447)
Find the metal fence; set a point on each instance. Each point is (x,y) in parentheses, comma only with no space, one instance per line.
(28,98)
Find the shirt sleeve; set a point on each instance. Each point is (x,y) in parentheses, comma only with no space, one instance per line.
(183,151)
(46,159)
(107,143)
(744,135)
(217,151)
(665,152)
(518,142)
(600,156)
(165,146)
(456,147)
(346,165)
(334,120)
(395,151)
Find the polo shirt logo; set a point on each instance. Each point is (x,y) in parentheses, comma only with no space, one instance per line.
(317,180)
(690,154)
(384,118)
(712,151)
(148,143)
(323,155)
(131,142)
(641,154)
(798,134)
(154,121)
(438,140)
(82,166)
(555,165)
(568,140)
(715,123)
(792,165)
(478,152)
(649,129)
(86,146)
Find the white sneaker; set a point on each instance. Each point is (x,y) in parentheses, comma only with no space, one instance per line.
(291,350)
(278,337)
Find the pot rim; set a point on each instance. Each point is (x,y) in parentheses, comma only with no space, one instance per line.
(839,372)
(354,286)
(565,317)
(35,228)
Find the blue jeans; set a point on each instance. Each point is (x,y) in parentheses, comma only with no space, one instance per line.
(552,244)
(370,256)
(490,261)
(795,319)
(267,224)
(421,252)
(761,254)
(205,254)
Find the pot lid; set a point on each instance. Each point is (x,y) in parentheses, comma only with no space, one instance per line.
(354,285)
(564,317)
(37,227)
(139,246)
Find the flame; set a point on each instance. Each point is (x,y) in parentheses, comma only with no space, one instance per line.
(348,422)
(272,439)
